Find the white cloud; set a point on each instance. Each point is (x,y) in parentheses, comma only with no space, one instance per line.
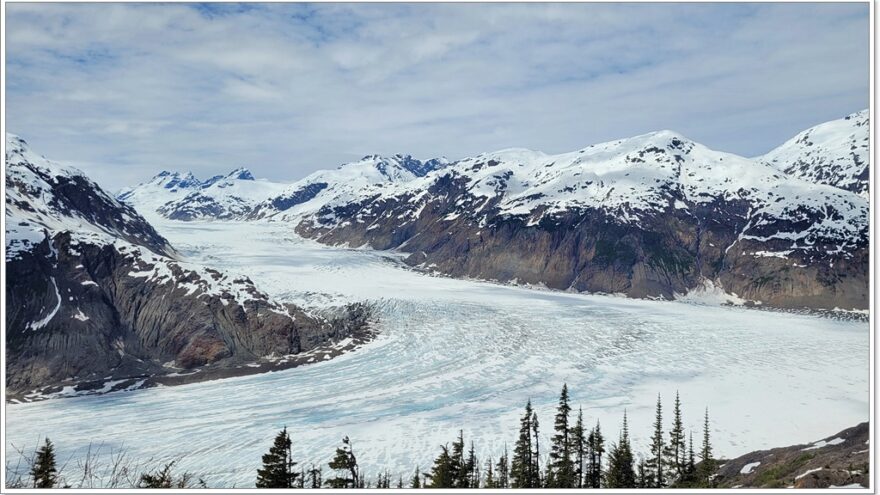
(127,89)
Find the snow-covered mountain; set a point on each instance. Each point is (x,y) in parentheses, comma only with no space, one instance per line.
(834,153)
(371,175)
(649,216)
(656,215)
(98,293)
(239,195)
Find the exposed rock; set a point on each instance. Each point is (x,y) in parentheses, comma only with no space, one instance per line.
(840,460)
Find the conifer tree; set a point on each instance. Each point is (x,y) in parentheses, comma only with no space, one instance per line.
(579,449)
(620,472)
(315,477)
(416,482)
(277,471)
(490,476)
(707,462)
(442,473)
(472,469)
(675,450)
(400,481)
(595,449)
(655,461)
(43,470)
(458,464)
(503,470)
(521,465)
(561,471)
(346,467)
(644,477)
(536,463)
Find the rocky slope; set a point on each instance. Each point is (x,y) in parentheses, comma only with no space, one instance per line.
(839,461)
(834,153)
(651,216)
(97,299)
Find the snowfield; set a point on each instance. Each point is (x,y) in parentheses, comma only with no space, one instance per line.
(465,354)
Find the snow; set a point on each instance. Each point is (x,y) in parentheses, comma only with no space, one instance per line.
(851,485)
(464,354)
(834,153)
(807,473)
(36,325)
(80,315)
(748,468)
(823,443)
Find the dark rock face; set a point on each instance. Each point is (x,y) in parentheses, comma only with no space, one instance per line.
(591,250)
(837,461)
(97,316)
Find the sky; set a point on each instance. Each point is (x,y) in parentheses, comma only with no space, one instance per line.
(125,90)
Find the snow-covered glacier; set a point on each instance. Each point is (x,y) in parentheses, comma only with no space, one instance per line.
(458,354)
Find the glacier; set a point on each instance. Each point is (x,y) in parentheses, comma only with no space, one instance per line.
(463,354)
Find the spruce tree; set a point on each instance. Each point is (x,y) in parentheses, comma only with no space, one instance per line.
(442,473)
(707,462)
(490,476)
(503,470)
(43,470)
(644,477)
(400,481)
(458,464)
(536,464)
(655,462)
(579,449)
(346,467)
(596,447)
(315,477)
(675,450)
(277,470)
(620,472)
(416,481)
(523,454)
(561,472)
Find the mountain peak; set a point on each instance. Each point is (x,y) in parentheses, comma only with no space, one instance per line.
(241,173)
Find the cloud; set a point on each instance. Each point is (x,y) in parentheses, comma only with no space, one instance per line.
(124,90)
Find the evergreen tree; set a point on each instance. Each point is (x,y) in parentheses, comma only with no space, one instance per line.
(472,469)
(442,473)
(675,450)
(400,482)
(503,470)
(620,462)
(595,449)
(458,464)
(415,482)
(689,472)
(43,470)
(523,454)
(561,470)
(707,462)
(655,461)
(536,463)
(346,467)
(579,449)
(315,477)
(490,476)
(277,471)
(644,477)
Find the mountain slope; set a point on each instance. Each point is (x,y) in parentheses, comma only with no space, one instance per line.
(834,153)
(95,295)
(650,216)
(220,198)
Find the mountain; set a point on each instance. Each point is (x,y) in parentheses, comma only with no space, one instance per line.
(221,198)
(370,175)
(165,187)
(656,215)
(834,153)
(98,297)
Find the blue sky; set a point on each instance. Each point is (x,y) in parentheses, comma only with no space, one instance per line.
(126,90)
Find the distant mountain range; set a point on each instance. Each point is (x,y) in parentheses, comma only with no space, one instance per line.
(656,215)
(99,301)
